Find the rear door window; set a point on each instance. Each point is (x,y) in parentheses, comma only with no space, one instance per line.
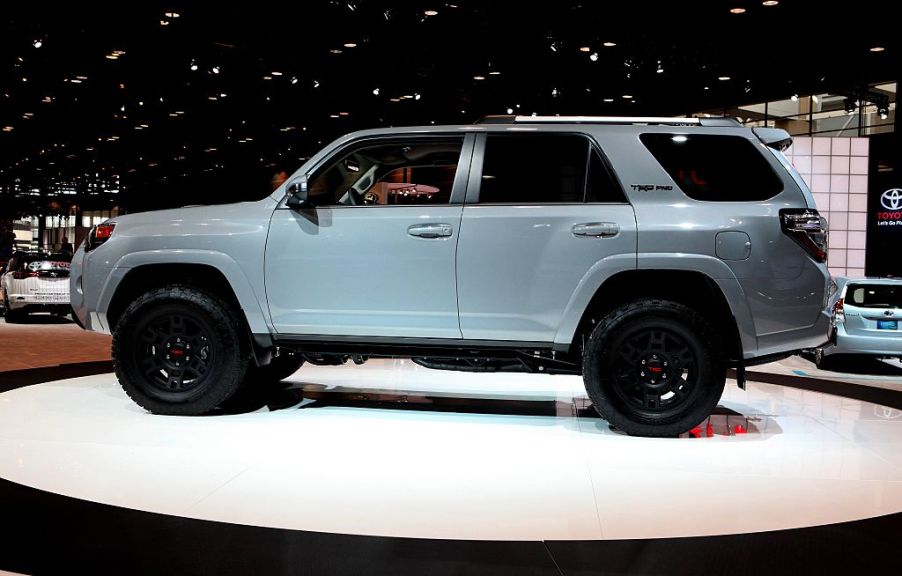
(714,168)
(545,169)
(874,295)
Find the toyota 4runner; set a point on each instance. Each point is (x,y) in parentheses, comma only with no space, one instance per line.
(648,255)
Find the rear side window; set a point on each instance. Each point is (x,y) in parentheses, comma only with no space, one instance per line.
(544,169)
(874,295)
(714,168)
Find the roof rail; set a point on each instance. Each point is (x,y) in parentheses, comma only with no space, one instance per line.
(511,119)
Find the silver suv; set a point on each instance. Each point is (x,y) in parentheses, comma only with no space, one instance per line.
(648,255)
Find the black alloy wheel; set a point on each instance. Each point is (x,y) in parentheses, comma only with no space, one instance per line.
(180,351)
(653,368)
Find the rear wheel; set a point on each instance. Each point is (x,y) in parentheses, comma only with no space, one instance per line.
(653,368)
(12,316)
(178,351)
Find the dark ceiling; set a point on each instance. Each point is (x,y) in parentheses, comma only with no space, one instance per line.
(276,80)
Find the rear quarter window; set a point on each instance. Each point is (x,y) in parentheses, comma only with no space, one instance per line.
(714,168)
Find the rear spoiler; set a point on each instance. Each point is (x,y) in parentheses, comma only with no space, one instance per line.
(774,137)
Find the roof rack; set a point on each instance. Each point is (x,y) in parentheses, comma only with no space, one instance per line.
(511,119)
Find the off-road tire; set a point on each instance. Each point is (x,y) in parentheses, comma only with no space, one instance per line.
(214,352)
(650,349)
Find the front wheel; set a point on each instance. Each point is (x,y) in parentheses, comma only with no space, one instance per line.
(178,351)
(653,368)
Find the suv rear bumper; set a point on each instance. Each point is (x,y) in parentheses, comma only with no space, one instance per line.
(813,336)
(889,344)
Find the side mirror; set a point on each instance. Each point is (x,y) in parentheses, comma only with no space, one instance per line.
(297,194)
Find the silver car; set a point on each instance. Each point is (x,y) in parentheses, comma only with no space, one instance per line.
(646,254)
(866,320)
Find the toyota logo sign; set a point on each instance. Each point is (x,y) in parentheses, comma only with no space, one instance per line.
(892,199)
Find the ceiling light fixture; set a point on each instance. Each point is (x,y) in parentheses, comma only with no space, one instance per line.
(494,73)
(794,97)
(164,22)
(585,49)
(215,70)
(850,106)
(883,111)
(478,77)
(431,12)
(627,96)
(769,3)
(350,45)
(723,78)
(510,110)
(609,44)
(275,73)
(877,49)
(593,56)
(38,43)
(375,91)
(608,99)
(417,96)
(737,10)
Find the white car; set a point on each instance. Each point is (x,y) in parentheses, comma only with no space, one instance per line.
(867,320)
(35,282)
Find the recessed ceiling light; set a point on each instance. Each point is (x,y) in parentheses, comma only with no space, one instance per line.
(275,73)
(375,91)
(627,96)
(494,73)
(172,14)
(417,96)
(267,77)
(294,80)
(215,70)
(608,99)
(585,49)
(510,110)
(609,44)
(593,56)
(478,77)
(350,45)
(37,43)
(343,113)
(737,10)
(794,97)
(723,78)
(878,49)
(770,3)
(431,12)
(335,51)
(164,22)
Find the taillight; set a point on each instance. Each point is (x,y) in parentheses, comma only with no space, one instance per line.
(839,314)
(22,275)
(99,234)
(808,229)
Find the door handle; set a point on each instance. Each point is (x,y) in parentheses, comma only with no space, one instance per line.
(430,230)
(596,229)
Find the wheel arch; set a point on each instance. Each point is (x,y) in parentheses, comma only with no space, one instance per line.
(693,288)
(214,272)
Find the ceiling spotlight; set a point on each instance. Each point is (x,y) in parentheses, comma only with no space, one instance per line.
(737,10)
(275,73)
(431,12)
(627,96)
(585,49)
(7,128)
(164,22)
(593,56)
(883,111)
(510,110)
(494,73)
(37,43)
(554,92)
(609,44)
(723,78)
(193,66)
(660,69)
(680,138)
(316,83)
(416,96)
(769,3)
(350,45)
(478,77)
(172,14)
(794,97)
(877,49)
(814,98)
(294,79)
(850,106)
(215,69)
(375,91)
(553,47)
